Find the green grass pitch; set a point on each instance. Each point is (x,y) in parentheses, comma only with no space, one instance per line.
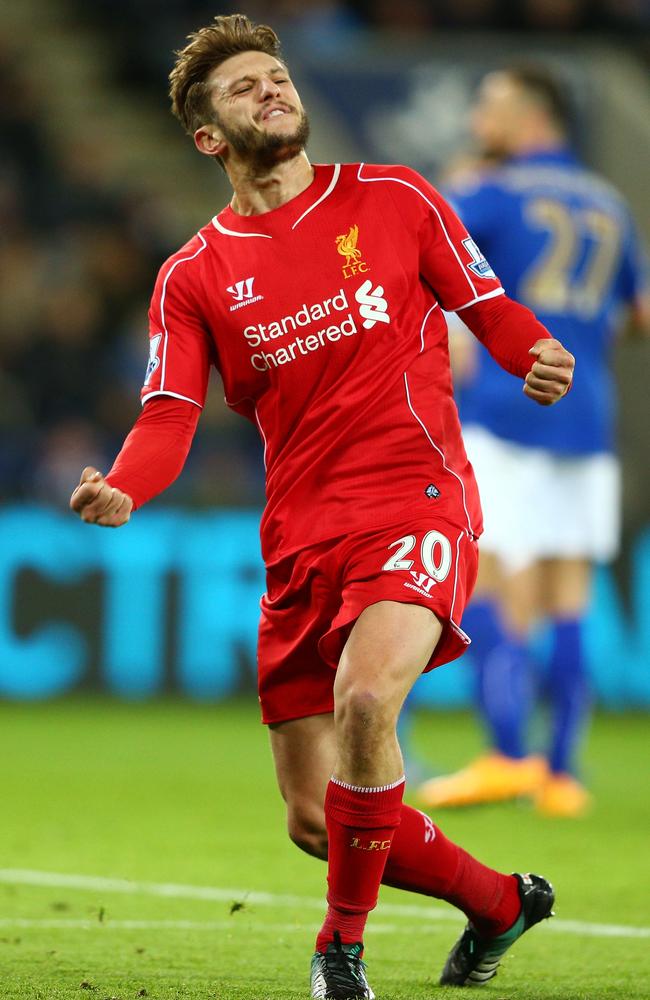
(143,853)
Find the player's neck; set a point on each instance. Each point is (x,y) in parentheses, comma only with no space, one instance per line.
(255,193)
(539,141)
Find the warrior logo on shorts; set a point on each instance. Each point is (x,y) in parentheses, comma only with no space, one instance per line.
(432,492)
(347,247)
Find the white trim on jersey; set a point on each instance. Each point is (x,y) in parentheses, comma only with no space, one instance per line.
(436,305)
(488,295)
(440,452)
(166,392)
(398,180)
(332,185)
(453,596)
(232,232)
(181,260)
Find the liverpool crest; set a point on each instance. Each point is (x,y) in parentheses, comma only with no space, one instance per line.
(347,247)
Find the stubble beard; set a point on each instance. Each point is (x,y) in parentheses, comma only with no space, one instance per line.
(264,150)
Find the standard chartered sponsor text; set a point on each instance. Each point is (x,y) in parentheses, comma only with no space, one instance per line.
(265,333)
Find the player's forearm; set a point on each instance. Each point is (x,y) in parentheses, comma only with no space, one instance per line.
(155,450)
(507,329)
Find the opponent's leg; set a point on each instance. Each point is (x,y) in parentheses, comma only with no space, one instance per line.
(508,690)
(567,583)
(497,619)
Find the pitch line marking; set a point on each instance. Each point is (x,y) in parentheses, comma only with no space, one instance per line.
(170,890)
(54,923)
(108,923)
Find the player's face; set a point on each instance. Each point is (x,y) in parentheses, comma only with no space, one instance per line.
(497,115)
(257,109)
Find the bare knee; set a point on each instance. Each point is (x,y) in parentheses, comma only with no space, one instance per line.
(361,711)
(365,726)
(359,703)
(306,827)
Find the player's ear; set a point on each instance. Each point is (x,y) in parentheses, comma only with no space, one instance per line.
(208,140)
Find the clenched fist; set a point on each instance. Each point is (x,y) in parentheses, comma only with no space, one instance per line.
(552,373)
(98,503)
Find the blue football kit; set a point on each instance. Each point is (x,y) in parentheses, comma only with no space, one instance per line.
(563,243)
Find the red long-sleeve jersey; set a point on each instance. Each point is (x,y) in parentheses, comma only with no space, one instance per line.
(324,318)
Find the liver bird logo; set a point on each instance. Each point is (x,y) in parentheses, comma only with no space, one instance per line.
(347,246)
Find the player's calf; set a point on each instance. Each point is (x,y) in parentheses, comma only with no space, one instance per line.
(306,827)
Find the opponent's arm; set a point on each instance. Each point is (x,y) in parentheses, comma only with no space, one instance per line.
(151,458)
(634,280)
(523,346)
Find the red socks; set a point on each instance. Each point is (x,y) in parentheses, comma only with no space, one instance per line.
(423,860)
(373,838)
(361,824)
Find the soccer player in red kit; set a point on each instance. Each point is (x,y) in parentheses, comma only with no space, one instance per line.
(318,295)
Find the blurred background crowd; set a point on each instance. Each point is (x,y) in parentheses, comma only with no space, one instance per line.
(98,186)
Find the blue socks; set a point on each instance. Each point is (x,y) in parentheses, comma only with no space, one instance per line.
(568,692)
(503,678)
(505,688)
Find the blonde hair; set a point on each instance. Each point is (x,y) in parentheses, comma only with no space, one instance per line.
(207,48)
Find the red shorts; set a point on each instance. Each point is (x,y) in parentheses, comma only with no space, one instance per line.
(315,595)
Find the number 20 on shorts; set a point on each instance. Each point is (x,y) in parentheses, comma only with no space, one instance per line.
(435,552)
